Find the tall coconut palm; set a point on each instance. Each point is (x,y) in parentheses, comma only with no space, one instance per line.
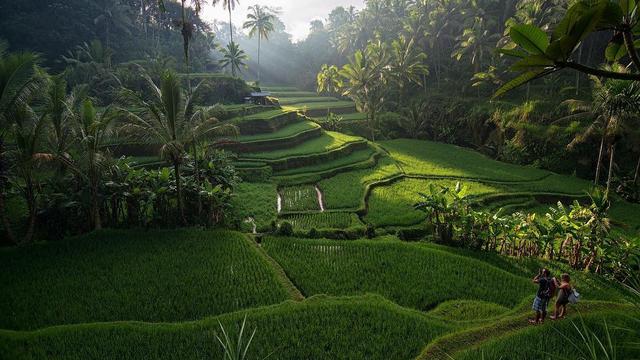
(18,82)
(364,81)
(186,29)
(234,58)
(612,102)
(406,65)
(93,129)
(170,119)
(28,129)
(260,22)
(59,109)
(230,5)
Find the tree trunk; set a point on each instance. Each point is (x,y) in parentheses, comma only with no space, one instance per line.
(230,24)
(635,176)
(95,206)
(259,37)
(372,117)
(186,37)
(31,204)
(612,149)
(198,180)
(578,73)
(599,163)
(176,167)
(9,238)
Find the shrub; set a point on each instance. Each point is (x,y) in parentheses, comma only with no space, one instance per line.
(285,229)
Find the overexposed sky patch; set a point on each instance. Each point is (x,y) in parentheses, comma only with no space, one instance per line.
(296,14)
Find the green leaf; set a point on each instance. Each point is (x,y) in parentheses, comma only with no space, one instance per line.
(615,51)
(513,52)
(628,6)
(530,38)
(518,81)
(531,62)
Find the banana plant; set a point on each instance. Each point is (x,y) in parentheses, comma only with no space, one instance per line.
(540,55)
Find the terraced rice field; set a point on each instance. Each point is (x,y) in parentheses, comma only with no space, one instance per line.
(357,181)
(133,275)
(308,99)
(398,271)
(329,141)
(299,198)
(325,220)
(348,327)
(281,134)
(392,205)
(358,156)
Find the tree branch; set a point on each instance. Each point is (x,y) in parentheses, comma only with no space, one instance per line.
(598,72)
(631,49)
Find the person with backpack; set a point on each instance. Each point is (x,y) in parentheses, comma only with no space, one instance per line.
(566,295)
(543,295)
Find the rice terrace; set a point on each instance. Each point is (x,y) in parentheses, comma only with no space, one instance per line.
(348,179)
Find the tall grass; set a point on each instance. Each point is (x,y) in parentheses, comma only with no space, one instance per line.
(602,336)
(318,328)
(173,275)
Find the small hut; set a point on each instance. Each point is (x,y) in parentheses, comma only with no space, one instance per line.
(258,98)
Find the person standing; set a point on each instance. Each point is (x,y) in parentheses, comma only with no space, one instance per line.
(563,297)
(543,295)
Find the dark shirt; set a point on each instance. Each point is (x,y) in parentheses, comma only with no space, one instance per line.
(543,287)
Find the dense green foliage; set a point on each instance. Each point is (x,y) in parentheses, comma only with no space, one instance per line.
(114,275)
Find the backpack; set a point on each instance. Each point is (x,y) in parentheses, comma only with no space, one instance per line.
(551,288)
(574,296)
(549,291)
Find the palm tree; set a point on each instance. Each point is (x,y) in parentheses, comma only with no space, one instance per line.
(475,42)
(186,29)
(406,65)
(59,110)
(233,57)
(613,101)
(229,5)
(365,77)
(171,120)
(18,82)
(28,130)
(113,14)
(260,21)
(328,79)
(94,130)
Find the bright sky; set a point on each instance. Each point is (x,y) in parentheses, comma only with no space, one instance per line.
(296,14)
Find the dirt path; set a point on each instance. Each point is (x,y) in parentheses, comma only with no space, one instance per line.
(447,346)
(320,198)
